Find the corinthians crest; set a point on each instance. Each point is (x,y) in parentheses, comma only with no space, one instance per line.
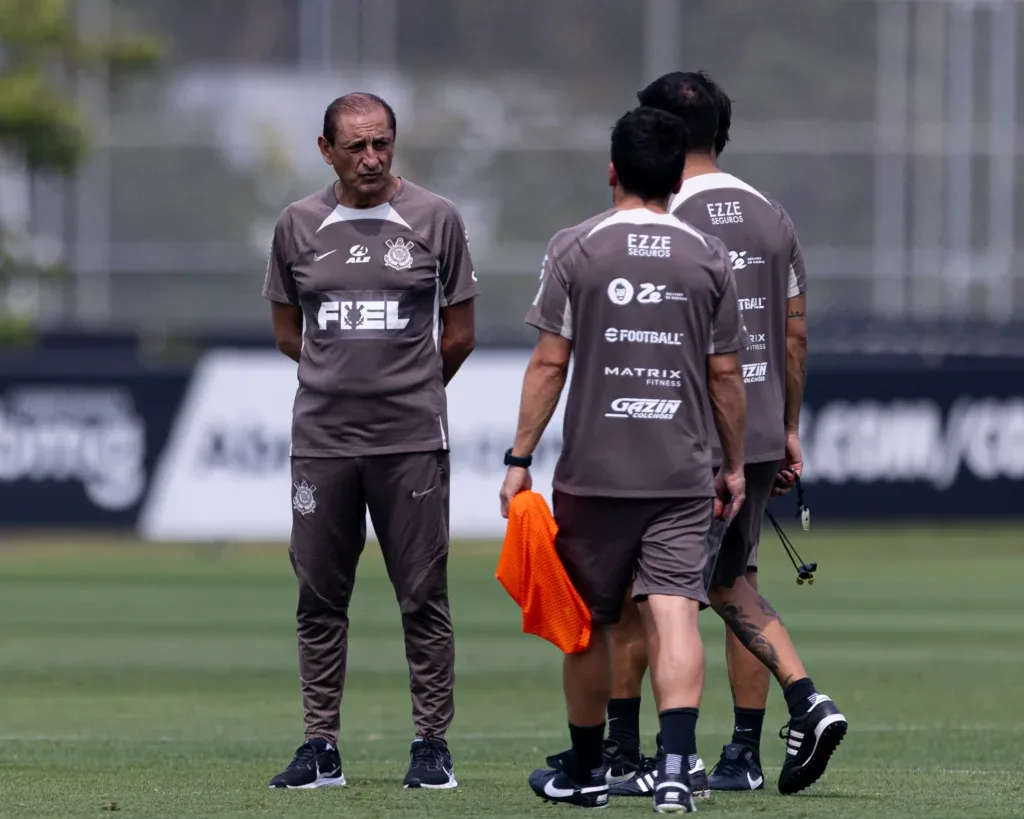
(399,255)
(304,503)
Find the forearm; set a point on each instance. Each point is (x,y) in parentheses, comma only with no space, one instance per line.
(729,409)
(287,324)
(542,387)
(796,379)
(454,352)
(291,346)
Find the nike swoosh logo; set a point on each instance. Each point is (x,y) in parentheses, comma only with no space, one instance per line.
(424,492)
(754,783)
(618,780)
(324,256)
(557,793)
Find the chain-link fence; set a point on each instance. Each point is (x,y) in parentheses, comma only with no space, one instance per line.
(888,128)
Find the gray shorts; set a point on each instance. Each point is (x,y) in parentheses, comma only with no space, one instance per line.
(606,544)
(738,554)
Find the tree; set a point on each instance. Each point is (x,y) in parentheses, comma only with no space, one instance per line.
(41,128)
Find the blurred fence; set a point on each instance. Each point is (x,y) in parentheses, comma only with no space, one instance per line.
(888,128)
(103,439)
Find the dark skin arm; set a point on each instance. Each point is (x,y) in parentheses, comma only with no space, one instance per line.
(287,320)
(796,359)
(458,338)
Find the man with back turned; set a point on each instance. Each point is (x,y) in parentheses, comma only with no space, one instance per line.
(646,306)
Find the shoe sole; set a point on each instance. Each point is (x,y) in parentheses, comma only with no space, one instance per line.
(634,794)
(828,734)
(743,789)
(447,786)
(573,804)
(336,782)
(645,788)
(670,808)
(552,801)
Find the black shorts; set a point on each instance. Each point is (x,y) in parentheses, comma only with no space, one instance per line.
(659,546)
(738,554)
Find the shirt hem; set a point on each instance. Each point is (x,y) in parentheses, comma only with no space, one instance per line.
(716,463)
(280,299)
(549,328)
(640,494)
(462,296)
(361,452)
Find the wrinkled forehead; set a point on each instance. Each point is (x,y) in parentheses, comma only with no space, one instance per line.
(365,125)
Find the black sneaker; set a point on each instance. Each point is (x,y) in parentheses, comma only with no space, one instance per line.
(810,741)
(430,766)
(642,784)
(739,769)
(557,786)
(316,764)
(699,786)
(672,794)
(622,766)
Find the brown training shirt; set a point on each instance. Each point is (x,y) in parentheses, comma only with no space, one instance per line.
(769,269)
(644,298)
(371,283)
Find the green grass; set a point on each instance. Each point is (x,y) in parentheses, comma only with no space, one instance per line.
(164,680)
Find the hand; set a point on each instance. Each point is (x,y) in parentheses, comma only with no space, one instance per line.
(730,492)
(517,480)
(792,466)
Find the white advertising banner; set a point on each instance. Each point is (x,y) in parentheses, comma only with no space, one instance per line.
(225,474)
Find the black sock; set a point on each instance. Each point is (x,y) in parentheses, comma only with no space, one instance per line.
(587,745)
(679,736)
(798,696)
(747,731)
(624,724)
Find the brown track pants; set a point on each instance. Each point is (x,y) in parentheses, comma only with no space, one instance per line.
(407,496)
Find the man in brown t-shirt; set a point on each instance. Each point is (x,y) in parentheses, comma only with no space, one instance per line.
(372,290)
(771,282)
(646,307)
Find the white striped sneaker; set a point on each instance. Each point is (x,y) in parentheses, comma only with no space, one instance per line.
(810,741)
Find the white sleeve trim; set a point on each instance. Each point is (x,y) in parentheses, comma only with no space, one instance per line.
(567,321)
(794,285)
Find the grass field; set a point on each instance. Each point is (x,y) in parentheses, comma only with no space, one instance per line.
(163,681)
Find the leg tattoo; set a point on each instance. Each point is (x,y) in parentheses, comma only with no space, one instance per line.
(767,610)
(749,632)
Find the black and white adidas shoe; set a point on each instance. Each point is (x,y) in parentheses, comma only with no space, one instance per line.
(672,793)
(739,769)
(643,784)
(558,786)
(810,741)
(316,764)
(430,766)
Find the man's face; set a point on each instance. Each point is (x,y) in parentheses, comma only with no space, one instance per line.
(363,149)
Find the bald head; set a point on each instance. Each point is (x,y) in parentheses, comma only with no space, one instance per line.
(358,103)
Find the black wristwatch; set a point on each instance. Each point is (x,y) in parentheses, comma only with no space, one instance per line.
(515,460)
